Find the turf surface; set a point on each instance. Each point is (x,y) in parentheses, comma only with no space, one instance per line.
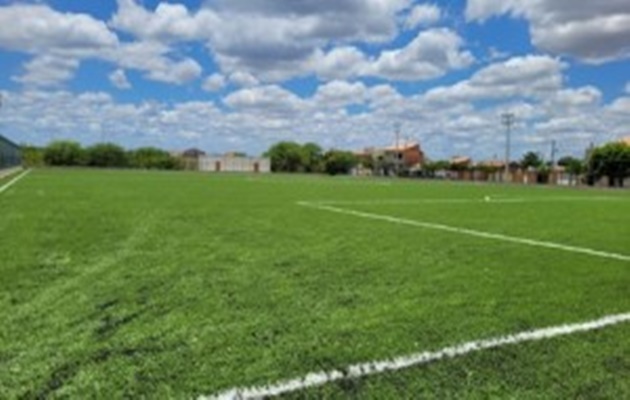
(157,284)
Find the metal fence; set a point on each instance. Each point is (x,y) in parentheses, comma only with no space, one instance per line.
(10,155)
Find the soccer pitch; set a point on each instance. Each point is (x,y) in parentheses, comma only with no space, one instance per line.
(181,285)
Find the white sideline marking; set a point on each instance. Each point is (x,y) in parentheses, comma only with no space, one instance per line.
(470,232)
(489,199)
(375,367)
(13,181)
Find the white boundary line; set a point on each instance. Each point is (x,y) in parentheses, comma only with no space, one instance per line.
(375,367)
(13,181)
(486,199)
(471,232)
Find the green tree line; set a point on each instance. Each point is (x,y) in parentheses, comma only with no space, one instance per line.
(611,160)
(310,158)
(65,153)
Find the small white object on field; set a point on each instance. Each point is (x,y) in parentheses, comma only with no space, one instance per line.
(487,198)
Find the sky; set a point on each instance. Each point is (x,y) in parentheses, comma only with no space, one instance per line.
(240,75)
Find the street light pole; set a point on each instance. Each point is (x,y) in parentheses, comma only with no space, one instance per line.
(507,119)
(397,160)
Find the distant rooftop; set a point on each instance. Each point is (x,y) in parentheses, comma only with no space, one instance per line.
(461,160)
(402,146)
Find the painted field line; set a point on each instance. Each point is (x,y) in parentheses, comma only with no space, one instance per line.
(376,367)
(13,181)
(470,200)
(470,232)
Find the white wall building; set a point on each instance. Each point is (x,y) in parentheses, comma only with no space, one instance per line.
(230,163)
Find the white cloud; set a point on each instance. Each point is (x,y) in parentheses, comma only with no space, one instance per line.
(58,41)
(338,63)
(48,70)
(258,44)
(337,94)
(243,79)
(594,32)
(61,41)
(528,76)
(423,15)
(430,55)
(621,106)
(519,70)
(118,78)
(214,83)
(384,96)
(38,28)
(581,98)
(169,22)
(271,99)
(152,58)
(177,71)
(270,39)
(495,54)
(256,117)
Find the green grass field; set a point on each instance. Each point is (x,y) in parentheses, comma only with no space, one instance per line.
(175,285)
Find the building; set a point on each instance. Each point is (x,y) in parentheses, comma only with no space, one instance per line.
(193,153)
(190,158)
(231,163)
(461,168)
(10,154)
(406,157)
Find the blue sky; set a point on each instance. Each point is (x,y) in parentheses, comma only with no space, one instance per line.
(227,75)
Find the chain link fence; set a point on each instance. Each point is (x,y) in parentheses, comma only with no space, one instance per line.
(10,155)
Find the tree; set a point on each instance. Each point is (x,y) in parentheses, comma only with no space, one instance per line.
(313,157)
(338,162)
(286,157)
(368,162)
(611,160)
(573,166)
(152,158)
(454,166)
(531,160)
(32,156)
(107,155)
(64,153)
(433,166)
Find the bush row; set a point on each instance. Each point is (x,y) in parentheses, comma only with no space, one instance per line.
(310,158)
(64,153)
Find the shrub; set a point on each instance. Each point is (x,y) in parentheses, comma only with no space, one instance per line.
(106,155)
(64,153)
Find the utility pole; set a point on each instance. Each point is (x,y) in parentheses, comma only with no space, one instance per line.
(507,119)
(554,151)
(397,160)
